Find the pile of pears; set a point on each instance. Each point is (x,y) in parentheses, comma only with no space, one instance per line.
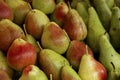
(59,39)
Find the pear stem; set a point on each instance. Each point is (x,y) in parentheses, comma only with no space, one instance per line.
(39,46)
(50,76)
(25,29)
(86,49)
(113,65)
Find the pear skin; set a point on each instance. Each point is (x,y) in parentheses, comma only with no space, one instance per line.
(9,31)
(32,72)
(74,25)
(46,6)
(115,28)
(53,37)
(108,54)
(34,23)
(95,29)
(68,73)
(51,63)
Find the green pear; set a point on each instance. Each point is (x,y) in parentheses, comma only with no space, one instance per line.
(68,73)
(8,32)
(113,74)
(20,9)
(46,6)
(59,13)
(4,65)
(55,38)
(74,25)
(51,62)
(115,28)
(110,3)
(103,12)
(90,68)
(82,8)
(95,29)
(34,23)
(32,72)
(108,54)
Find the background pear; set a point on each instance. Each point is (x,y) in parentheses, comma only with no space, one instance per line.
(55,38)
(34,23)
(46,6)
(51,63)
(9,31)
(115,28)
(20,9)
(5,11)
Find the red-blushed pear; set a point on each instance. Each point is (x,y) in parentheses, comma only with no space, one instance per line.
(21,54)
(33,72)
(59,13)
(8,32)
(74,25)
(91,69)
(35,22)
(5,11)
(75,52)
(55,38)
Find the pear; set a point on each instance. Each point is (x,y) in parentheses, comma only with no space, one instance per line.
(59,13)
(4,65)
(46,6)
(32,72)
(117,2)
(51,63)
(68,73)
(75,52)
(5,11)
(4,75)
(34,23)
(21,54)
(110,3)
(95,29)
(115,28)
(90,68)
(103,12)
(74,25)
(113,74)
(82,8)
(55,38)
(8,32)
(108,54)
(20,9)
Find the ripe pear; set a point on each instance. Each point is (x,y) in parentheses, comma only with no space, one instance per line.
(68,73)
(75,52)
(95,29)
(21,54)
(5,11)
(20,9)
(59,13)
(51,62)
(103,12)
(46,6)
(115,28)
(8,32)
(35,22)
(108,54)
(55,38)
(32,72)
(4,65)
(91,69)
(74,25)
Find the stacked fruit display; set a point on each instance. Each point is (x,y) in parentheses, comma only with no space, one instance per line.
(59,39)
